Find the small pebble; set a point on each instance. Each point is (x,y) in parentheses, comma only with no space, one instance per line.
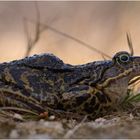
(52,117)
(18,116)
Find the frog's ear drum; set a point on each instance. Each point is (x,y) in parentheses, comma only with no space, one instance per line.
(130,45)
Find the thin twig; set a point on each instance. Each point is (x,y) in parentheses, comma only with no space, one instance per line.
(38,30)
(72,38)
(72,131)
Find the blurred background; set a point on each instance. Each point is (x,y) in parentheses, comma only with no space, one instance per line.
(102,25)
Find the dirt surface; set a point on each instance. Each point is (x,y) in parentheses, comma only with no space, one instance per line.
(118,125)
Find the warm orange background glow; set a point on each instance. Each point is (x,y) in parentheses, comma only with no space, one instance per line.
(100,24)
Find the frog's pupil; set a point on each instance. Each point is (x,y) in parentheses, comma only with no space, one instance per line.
(124,58)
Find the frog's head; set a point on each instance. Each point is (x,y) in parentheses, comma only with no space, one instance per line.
(127,63)
(124,67)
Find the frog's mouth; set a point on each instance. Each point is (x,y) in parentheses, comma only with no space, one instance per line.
(135,74)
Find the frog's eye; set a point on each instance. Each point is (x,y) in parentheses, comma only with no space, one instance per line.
(124,58)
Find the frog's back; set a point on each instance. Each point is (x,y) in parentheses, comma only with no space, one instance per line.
(41,76)
(36,61)
(45,78)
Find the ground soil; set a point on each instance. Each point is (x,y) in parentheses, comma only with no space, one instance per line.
(117,125)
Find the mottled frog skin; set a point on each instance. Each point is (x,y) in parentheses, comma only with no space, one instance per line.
(44,81)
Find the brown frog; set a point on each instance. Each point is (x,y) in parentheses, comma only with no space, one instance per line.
(44,81)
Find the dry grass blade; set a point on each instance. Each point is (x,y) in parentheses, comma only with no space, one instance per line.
(32,42)
(38,23)
(131,99)
(134,98)
(23,115)
(130,45)
(14,116)
(19,109)
(38,30)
